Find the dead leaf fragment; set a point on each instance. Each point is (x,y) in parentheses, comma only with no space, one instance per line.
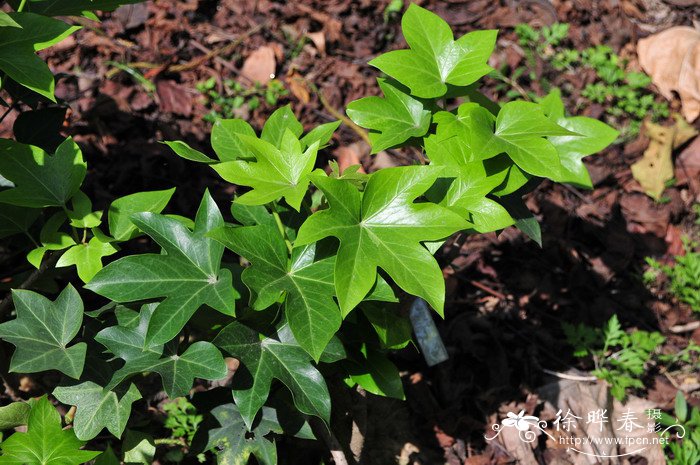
(260,65)
(655,168)
(672,59)
(319,40)
(298,86)
(173,98)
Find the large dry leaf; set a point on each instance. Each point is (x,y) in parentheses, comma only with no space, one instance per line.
(260,65)
(655,168)
(672,59)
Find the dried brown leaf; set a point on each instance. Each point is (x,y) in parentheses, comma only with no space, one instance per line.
(672,59)
(260,65)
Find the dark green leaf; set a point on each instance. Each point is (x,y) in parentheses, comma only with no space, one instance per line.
(97,408)
(234,444)
(42,331)
(120,225)
(383,227)
(41,180)
(188,275)
(278,357)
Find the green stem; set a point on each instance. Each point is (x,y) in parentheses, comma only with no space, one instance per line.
(170,442)
(280,226)
(21,6)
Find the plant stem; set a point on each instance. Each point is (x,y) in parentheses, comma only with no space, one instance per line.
(170,442)
(21,6)
(280,226)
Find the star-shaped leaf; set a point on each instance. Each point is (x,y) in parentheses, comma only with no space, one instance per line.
(97,408)
(87,258)
(45,442)
(188,275)
(520,131)
(312,314)
(128,341)
(278,172)
(592,137)
(392,119)
(234,444)
(18,47)
(278,357)
(383,227)
(435,59)
(41,180)
(42,331)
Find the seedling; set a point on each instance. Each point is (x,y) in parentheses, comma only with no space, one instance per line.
(235,95)
(683,276)
(686,423)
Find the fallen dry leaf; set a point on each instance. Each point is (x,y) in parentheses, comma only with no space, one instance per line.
(260,65)
(173,98)
(688,167)
(655,168)
(319,40)
(672,59)
(298,86)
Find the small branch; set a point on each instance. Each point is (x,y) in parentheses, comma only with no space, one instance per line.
(692,326)
(336,450)
(31,279)
(568,376)
(337,114)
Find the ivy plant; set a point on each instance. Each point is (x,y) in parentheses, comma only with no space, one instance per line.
(300,283)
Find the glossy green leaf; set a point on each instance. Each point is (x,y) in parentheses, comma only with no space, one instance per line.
(97,408)
(120,225)
(311,312)
(128,341)
(234,444)
(182,149)
(41,180)
(391,120)
(435,59)
(14,220)
(18,47)
(45,442)
(87,258)
(7,21)
(393,330)
(279,122)
(593,136)
(278,357)
(226,139)
(278,172)
(138,448)
(321,134)
(383,227)
(377,375)
(72,7)
(14,415)
(43,331)
(81,215)
(108,457)
(188,275)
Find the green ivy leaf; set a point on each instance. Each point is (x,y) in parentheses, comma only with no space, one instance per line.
(41,180)
(14,415)
(226,138)
(311,312)
(73,7)
(182,149)
(45,442)
(87,258)
(435,59)
(321,134)
(278,357)
(7,21)
(235,444)
(97,408)
(392,120)
(42,331)
(593,136)
(394,331)
(18,47)
(128,341)
(279,122)
(14,220)
(82,216)
(138,448)
(120,225)
(383,227)
(188,275)
(277,173)
(377,375)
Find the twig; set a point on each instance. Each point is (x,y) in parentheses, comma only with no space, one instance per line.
(568,376)
(336,450)
(48,263)
(692,326)
(337,114)
(488,290)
